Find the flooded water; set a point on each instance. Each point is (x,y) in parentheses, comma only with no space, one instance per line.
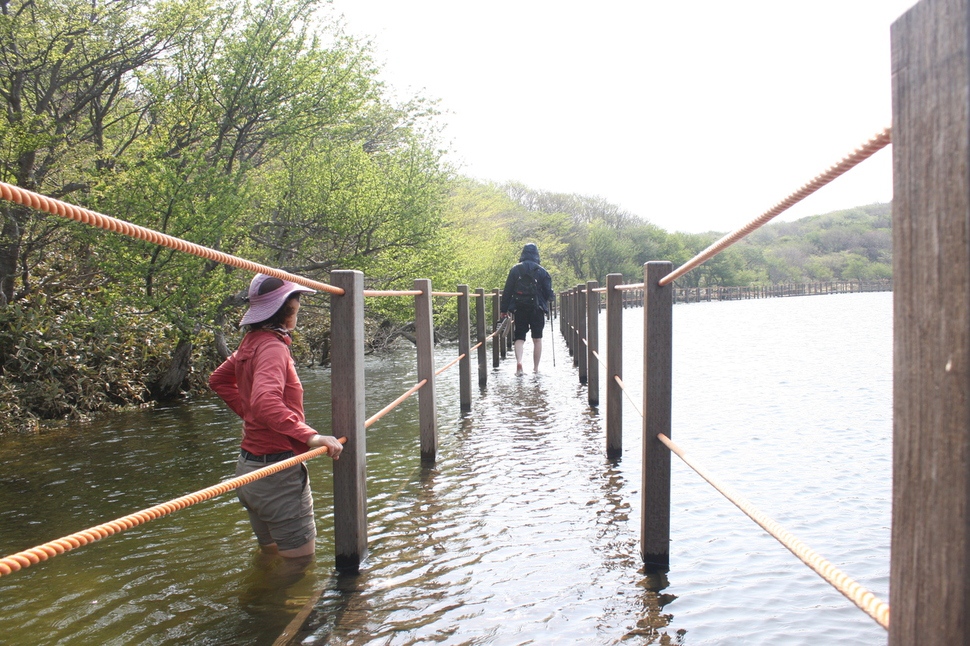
(522,532)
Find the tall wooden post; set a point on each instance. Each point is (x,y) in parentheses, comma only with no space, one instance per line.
(614,366)
(562,315)
(480,334)
(497,340)
(574,328)
(347,420)
(592,334)
(464,351)
(581,298)
(930,556)
(657,348)
(427,399)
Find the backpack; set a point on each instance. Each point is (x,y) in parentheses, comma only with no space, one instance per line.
(526,288)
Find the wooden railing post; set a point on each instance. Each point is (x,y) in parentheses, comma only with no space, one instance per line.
(427,399)
(562,315)
(497,340)
(581,297)
(657,348)
(592,334)
(481,334)
(614,366)
(464,348)
(574,328)
(929,582)
(347,419)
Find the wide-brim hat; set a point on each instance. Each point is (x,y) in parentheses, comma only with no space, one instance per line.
(267,295)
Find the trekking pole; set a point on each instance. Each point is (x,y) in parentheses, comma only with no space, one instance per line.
(552,341)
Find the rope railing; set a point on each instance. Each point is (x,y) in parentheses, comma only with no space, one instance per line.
(394,404)
(852,590)
(35,555)
(627,394)
(93,218)
(450,364)
(392,292)
(867,150)
(80,214)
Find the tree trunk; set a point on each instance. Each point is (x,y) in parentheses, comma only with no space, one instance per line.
(169,385)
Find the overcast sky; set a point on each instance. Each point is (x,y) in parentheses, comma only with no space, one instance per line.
(695,116)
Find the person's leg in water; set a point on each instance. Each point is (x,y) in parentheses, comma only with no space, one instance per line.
(537,324)
(522,326)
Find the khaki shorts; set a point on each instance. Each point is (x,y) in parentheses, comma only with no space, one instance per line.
(280,506)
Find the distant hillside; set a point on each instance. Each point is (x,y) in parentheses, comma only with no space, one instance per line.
(854,244)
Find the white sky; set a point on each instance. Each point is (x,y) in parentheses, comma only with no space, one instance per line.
(694,115)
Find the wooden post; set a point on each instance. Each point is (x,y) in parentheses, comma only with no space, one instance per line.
(497,340)
(464,348)
(347,419)
(577,342)
(480,333)
(566,305)
(657,348)
(930,557)
(427,400)
(562,315)
(581,298)
(592,334)
(614,366)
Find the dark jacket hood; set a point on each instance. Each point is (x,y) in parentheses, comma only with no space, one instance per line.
(530,252)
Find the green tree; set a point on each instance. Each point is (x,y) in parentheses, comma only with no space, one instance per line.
(72,105)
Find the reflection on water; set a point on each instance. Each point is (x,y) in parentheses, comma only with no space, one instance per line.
(522,531)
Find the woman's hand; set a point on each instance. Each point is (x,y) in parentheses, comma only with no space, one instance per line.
(334,447)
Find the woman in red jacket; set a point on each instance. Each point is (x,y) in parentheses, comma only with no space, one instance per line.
(260,384)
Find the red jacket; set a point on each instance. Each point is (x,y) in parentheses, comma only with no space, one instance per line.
(260,384)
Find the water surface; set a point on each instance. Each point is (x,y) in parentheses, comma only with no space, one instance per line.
(522,531)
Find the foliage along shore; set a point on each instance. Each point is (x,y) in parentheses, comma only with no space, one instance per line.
(263,130)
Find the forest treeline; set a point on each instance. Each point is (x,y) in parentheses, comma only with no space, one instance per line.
(263,130)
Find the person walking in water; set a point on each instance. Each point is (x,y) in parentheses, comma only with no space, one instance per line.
(259,383)
(528,290)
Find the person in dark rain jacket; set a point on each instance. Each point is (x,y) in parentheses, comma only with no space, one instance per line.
(528,290)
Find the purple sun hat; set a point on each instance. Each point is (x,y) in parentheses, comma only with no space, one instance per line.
(267,295)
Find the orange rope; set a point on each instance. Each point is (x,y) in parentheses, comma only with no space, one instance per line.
(629,287)
(623,389)
(443,368)
(34,555)
(392,292)
(387,409)
(86,216)
(867,150)
(446,294)
(854,592)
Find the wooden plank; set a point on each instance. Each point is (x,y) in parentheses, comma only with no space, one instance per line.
(592,334)
(582,363)
(427,399)
(464,348)
(657,376)
(347,420)
(480,335)
(614,366)
(929,573)
(498,343)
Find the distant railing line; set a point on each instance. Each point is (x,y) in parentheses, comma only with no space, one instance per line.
(867,150)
